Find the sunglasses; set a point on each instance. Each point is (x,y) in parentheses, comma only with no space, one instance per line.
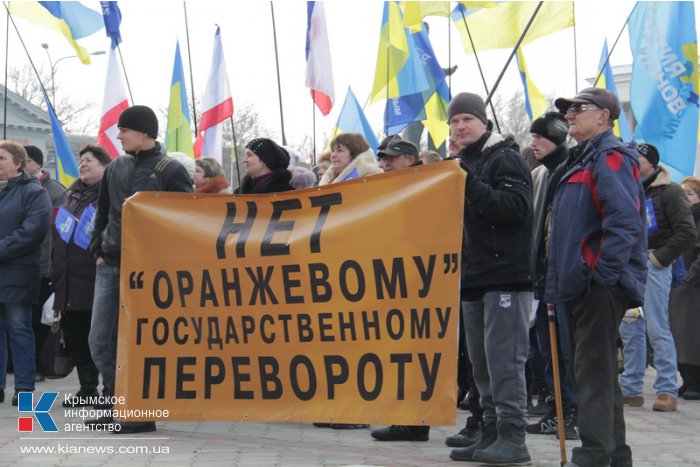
(578,108)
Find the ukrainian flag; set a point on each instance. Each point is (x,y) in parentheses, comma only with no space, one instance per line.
(353,120)
(535,102)
(72,19)
(622,126)
(179,133)
(66,167)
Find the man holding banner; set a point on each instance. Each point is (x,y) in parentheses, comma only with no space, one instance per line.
(496,279)
(144,167)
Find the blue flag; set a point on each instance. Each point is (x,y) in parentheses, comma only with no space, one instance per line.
(664,89)
(65,224)
(607,81)
(84,228)
(352,120)
(112,17)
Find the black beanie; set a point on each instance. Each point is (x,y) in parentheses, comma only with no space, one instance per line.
(35,154)
(140,118)
(272,154)
(649,152)
(467,103)
(552,126)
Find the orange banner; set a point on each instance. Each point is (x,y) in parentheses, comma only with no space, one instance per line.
(338,303)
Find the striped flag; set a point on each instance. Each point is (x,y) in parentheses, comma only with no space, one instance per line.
(178,136)
(113,104)
(217,105)
(535,102)
(319,76)
(66,167)
(352,120)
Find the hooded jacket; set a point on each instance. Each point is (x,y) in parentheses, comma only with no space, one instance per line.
(149,170)
(217,184)
(671,228)
(57,193)
(25,215)
(363,165)
(598,222)
(497,241)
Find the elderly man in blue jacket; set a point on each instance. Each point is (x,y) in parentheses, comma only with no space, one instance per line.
(596,265)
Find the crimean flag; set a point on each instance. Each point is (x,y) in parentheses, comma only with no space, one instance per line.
(72,19)
(112,16)
(535,102)
(113,104)
(415,12)
(217,105)
(66,167)
(319,75)
(392,54)
(498,25)
(664,89)
(607,81)
(352,120)
(178,136)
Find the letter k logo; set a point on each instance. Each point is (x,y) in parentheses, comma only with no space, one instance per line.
(40,411)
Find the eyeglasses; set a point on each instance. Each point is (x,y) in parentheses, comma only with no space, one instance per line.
(578,108)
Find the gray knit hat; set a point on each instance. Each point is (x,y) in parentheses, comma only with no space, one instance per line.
(467,103)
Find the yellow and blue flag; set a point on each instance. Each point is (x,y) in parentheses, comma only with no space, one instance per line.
(415,12)
(664,89)
(178,136)
(535,102)
(66,167)
(607,81)
(72,19)
(352,120)
(392,54)
(498,25)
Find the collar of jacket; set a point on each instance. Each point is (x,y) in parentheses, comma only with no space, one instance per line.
(660,177)
(583,152)
(476,147)
(556,157)
(154,151)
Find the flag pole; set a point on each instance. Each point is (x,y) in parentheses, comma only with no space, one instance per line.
(128,86)
(481,70)
(313,119)
(607,59)
(277,62)
(189,56)
(234,151)
(513,52)
(573,15)
(388,49)
(449,54)
(7,51)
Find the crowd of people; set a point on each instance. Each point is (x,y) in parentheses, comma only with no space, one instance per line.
(585,225)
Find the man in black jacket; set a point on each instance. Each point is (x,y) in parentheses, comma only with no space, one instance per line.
(671,231)
(145,167)
(496,279)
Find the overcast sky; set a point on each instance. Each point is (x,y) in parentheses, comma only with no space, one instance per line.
(150,28)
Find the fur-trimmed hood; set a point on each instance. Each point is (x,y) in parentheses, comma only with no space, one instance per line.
(217,184)
(363,165)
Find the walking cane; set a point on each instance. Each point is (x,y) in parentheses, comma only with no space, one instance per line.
(557,383)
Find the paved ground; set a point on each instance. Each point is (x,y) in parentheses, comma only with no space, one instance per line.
(657,439)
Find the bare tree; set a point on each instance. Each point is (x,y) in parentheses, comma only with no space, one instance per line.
(513,118)
(71,113)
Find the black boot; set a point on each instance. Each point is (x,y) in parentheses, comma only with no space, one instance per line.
(467,436)
(401,433)
(509,447)
(488,437)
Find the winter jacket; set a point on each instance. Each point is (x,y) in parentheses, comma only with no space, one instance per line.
(273,182)
(217,184)
(671,228)
(25,213)
(363,165)
(691,257)
(598,222)
(57,193)
(149,170)
(497,240)
(73,272)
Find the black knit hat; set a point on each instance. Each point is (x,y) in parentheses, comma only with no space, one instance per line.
(35,154)
(272,154)
(552,126)
(140,118)
(649,152)
(467,103)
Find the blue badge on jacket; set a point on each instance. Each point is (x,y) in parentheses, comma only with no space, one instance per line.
(84,229)
(652,226)
(351,176)
(65,224)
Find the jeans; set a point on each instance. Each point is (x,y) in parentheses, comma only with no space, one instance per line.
(497,339)
(594,319)
(656,325)
(105,324)
(562,329)
(16,323)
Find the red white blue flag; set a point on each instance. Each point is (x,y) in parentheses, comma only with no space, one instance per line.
(319,76)
(113,104)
